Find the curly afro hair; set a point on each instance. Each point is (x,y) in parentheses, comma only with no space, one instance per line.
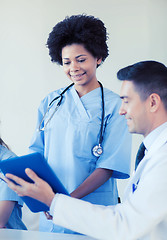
(79,29)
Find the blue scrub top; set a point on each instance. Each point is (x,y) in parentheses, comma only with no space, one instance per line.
(71,134)
(6,194)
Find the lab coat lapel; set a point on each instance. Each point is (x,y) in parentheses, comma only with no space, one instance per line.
(81,109)
(135,177)
(162,139)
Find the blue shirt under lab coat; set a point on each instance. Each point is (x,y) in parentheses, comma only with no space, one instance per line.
(71,134)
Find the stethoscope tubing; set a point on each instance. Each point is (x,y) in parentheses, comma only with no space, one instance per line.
(102,115)
(97,150)
(50,104)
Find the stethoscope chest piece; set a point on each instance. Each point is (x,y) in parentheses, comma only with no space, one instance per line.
(97,150)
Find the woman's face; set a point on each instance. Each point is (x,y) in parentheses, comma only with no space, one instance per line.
(80,65)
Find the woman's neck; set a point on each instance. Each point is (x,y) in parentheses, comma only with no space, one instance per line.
(83,89)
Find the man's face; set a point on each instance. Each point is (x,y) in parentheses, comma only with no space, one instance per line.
(135,110)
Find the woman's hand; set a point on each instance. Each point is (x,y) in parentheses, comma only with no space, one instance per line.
(39,190)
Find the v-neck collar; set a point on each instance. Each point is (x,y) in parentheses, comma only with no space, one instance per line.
(80,102)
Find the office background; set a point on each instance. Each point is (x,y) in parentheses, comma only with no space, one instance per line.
(137,31)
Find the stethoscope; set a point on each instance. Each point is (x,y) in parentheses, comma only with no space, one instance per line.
(97,149)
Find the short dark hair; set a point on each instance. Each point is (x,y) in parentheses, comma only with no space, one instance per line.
(80,29)
(148,77)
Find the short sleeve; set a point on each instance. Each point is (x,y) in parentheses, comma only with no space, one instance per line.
(116,146)
(6,193)
(37,141)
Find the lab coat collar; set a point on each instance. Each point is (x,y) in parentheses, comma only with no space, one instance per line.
(157,144)
(150,138)
(159,141)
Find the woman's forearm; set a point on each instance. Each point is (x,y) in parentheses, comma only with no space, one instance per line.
(91,183)
(6,208)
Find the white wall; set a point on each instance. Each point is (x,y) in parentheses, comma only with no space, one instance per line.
(137,31)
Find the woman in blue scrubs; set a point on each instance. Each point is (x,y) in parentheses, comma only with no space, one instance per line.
(67,137)
(10,202)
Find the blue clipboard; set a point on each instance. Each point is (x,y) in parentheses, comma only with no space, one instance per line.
(39,165)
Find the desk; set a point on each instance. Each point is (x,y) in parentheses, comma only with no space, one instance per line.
(12,234)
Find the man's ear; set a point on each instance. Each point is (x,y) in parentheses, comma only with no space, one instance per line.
(99,60)
(154,102)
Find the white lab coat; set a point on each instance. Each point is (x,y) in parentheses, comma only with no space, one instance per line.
(143,213)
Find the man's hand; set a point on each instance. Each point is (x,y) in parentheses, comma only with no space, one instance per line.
(39,190)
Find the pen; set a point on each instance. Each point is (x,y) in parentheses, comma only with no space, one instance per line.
(134,186)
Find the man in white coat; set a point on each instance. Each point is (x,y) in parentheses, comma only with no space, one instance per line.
(143,212)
